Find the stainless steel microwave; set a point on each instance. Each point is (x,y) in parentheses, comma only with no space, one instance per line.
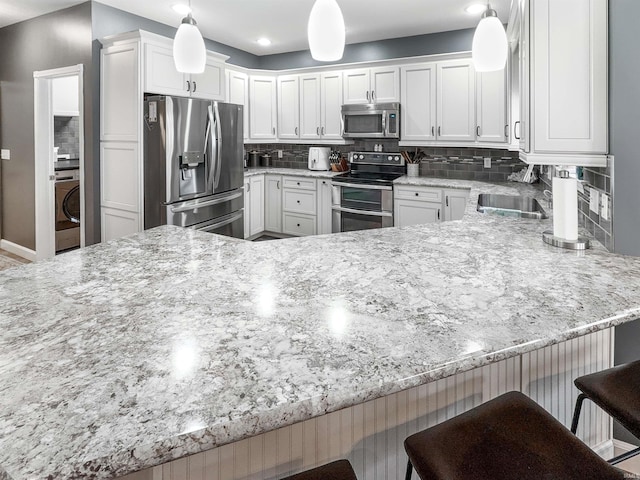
(371,120)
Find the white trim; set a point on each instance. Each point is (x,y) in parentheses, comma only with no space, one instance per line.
(59,72)
(604,449)
(624,446)
(18,250)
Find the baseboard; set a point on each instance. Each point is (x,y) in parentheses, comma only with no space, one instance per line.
(18,250)
(624,446)
(604,449)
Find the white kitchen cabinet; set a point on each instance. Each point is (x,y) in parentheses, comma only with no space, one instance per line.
(418,102)
(491,107)
(299,206)
(238,93)
(372,85)
(324,206)
(310,95)
(65,97)
(288,107)
(456,101)
(162,77)
(253,205)
(330,106)
(455,203)
(263,107)
(273,203)
(415,212)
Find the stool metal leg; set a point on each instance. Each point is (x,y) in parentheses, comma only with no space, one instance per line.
(624,456)
(576,413)
(409,470)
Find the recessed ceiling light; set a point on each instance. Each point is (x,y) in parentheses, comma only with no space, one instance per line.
(265,42)
(476,8)
(181,8)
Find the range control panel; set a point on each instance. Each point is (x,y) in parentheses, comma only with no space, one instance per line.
(377,158)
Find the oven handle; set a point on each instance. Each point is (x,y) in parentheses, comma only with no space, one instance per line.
(362,212)
(363,186)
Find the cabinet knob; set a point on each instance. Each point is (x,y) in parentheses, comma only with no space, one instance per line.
(298,201)
(298,224)
(417,194)
(298,183)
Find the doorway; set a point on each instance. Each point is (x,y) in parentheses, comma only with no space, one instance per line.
(59,160)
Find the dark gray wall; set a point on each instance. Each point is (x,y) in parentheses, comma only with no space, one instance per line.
(39,44)
(624,121)
(431,44)
(110,21)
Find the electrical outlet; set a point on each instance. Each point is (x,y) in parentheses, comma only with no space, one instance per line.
(5,154)
(604,206)
(487,162)
(594,201)
(279,153)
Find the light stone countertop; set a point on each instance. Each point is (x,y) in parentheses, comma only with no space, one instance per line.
(132,353)
(293,172)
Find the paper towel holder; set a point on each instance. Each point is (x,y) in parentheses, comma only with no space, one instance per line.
(548,237)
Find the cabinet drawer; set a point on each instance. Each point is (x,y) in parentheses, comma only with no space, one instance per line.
(296,224)
(299,182)
(425,194)
(299,201)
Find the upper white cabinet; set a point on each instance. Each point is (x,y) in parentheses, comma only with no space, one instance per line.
(331,105)
(310,119)
(491,107)
(372,85)
(288,107)
(65,97)
(238,93)
(162,77)
(263,109)
(418,102)
(563,54)
(456,101)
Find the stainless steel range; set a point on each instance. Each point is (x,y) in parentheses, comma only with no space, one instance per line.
(363,197)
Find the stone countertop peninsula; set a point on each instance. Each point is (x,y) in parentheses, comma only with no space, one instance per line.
(293,172)
(132,353)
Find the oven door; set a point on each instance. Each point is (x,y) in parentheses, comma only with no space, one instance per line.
(350,220)
(361,207)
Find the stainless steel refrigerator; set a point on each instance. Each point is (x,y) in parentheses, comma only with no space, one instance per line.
(193,165)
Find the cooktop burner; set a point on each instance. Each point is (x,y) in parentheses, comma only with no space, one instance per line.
(373,168)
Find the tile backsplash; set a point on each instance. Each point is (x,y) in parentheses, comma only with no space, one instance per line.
(458,163)
(66,134)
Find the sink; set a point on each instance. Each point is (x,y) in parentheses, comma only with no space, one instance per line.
(511,206)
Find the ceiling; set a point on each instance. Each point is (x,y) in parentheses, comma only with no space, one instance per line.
(239,23)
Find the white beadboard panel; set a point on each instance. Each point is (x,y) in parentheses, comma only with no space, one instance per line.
(371,434)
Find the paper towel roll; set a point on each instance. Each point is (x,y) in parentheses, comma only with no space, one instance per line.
(565,208)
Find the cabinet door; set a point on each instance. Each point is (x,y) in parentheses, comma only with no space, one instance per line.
(356,86)
(247,208)
(288,107)
(491,107)
(456,101)
(263,107)
(525,81)
(257,205)
(411,212)
(210,83)
(65,96)
(310,107)
(273,204)
(455,203)
(418,102)
(331,105)
(118,223)
(569,61)
(324,206)
(160,74)
(238,93)
(385,84)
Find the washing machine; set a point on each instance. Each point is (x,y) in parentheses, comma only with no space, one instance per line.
(67,209)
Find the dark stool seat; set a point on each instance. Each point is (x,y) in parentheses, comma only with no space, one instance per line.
(617,392)
(510,437)
(338,470)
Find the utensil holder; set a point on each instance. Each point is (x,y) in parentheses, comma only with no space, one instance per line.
(413,169)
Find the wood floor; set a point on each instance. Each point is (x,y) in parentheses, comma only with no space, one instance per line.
(8,260)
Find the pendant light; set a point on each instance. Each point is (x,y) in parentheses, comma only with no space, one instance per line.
(189,52)
(326,31)
(490,48)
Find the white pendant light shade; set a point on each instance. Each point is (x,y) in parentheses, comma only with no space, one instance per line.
(490,48)
(189,52)
(326,31)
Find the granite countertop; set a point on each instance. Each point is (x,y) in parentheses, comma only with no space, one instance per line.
(295,172)
(72,164)
(131,353)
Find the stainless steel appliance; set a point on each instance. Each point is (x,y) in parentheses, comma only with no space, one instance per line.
(319,158)
(67,193)
(193,166)
(371,120)
(363,197)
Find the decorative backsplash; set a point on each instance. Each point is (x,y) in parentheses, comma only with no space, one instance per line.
(66,135)
(458,163)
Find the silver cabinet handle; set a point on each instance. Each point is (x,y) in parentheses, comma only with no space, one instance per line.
(296,130)
(438,214)
(515,125)
(367,95)
(439,131)
(248,187)
(273,130)
(433,131)
(188,86)
(322,131)
(195,85)
(506,131)
(318,131)
(373,95)
(446,200)
(278,185)
(478,131)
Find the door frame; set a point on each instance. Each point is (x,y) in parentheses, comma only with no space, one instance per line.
(43,145)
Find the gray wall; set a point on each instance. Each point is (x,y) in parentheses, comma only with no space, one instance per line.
(624,122)
(434,43)
(39,44)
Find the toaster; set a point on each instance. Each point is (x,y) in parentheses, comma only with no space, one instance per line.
(319,158)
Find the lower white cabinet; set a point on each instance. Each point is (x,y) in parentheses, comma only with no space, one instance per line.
(455,203)
(414,205)
(299,204)
(253,206)
(298,224)
(324,206)
(273,203)
(416,212)
(118,223)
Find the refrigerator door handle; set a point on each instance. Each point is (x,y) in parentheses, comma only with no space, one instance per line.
(222,223)
(187,206)
(218,145)
(212,157)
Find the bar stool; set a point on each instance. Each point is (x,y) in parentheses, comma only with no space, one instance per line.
(338,470)
(509,437)
(617,392)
